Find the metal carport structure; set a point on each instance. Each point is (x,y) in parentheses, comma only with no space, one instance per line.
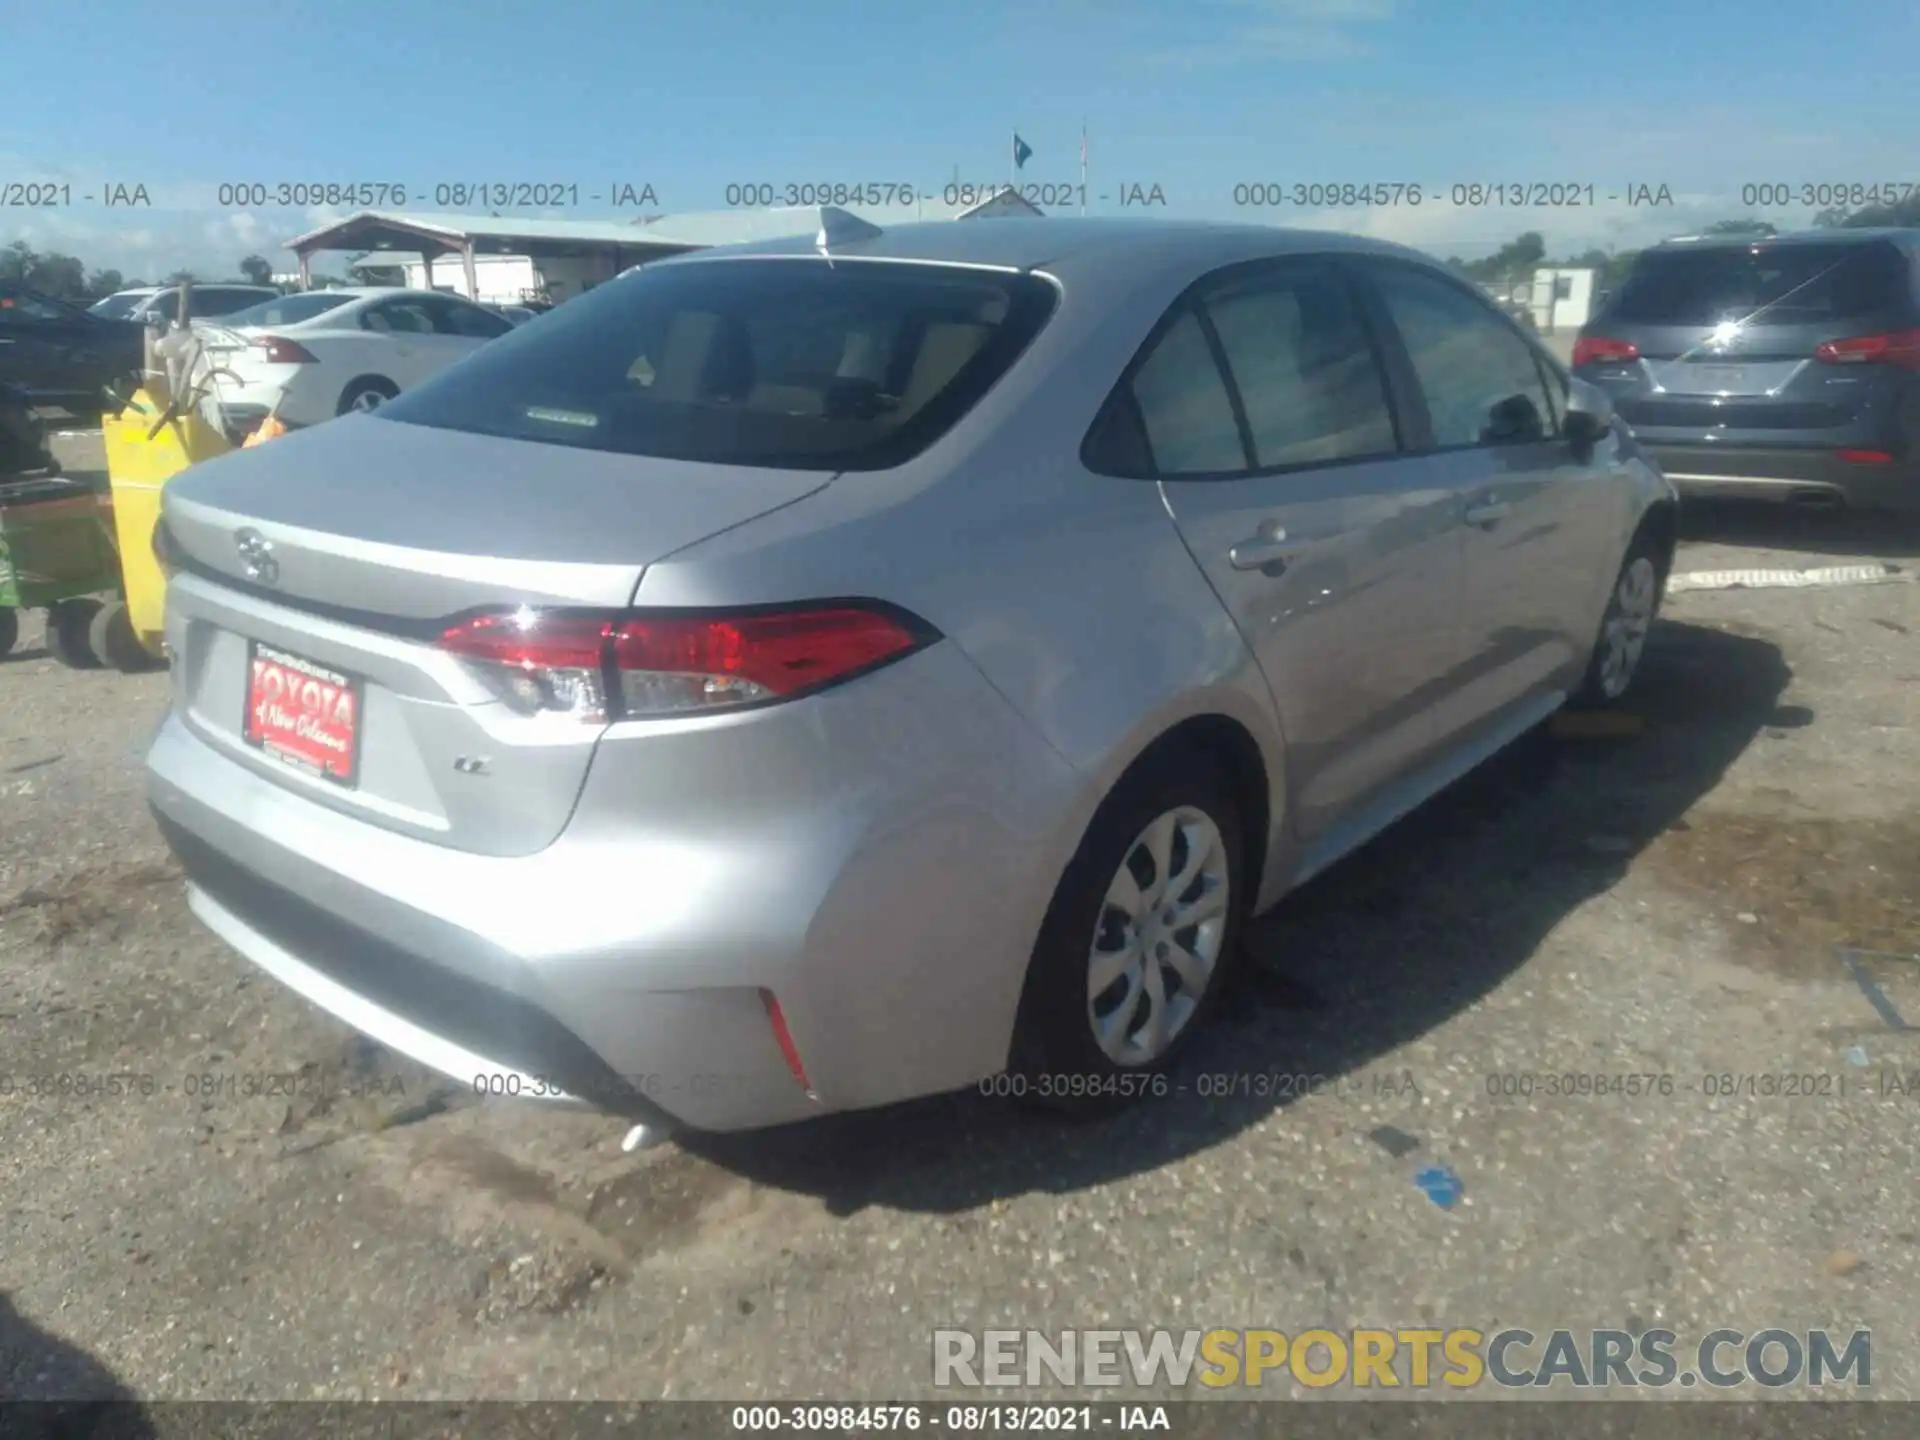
(620,243)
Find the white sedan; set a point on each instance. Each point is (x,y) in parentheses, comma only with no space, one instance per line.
(320,353)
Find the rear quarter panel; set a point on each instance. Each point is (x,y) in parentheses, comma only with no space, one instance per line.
(1071,592)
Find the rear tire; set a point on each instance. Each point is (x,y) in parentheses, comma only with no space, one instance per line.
(9,630)
(114,642)
(369,392)
(68,625)
(1632,606)
(1118,985)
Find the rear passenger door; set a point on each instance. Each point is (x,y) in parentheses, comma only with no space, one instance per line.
(1539,519)
(1267,415)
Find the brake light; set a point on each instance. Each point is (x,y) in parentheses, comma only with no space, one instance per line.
(1898,347)
(1597,349)
(278,350)
(627,666)
(1865,457)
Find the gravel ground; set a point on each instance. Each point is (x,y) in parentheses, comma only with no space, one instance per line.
(1665,902)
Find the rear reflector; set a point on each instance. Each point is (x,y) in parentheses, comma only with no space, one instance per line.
(1597,350)
(1865,457)
(1898,347)
(784,1037)
(634,665)
(280,351)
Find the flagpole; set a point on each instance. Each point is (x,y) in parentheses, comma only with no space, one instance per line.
(1083,167)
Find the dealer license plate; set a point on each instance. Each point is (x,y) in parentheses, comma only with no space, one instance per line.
(303,714)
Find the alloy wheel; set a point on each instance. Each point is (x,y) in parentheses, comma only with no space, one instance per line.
(1157,943)
(1629,618)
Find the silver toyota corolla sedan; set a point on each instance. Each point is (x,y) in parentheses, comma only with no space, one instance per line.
(815,674)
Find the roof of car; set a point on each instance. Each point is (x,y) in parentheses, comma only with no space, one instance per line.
(1055,242)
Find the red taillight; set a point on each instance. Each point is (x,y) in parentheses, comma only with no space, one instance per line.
(784,1037)
(1865,457)
(677,664)
(1597,349)
(1897,347)
(277,350)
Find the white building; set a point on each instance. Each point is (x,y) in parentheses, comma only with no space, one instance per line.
(1562,299)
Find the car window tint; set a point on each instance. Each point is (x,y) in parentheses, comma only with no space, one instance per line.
(776,362)
(1481,381)
(401,317)
(1184,405)
(1795,284)
(224,302)
(30,309)
(470,321)
(1308,378)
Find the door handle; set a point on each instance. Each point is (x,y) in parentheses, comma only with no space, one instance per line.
(1268,548)
(1487,512)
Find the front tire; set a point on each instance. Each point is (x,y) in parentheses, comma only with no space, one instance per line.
(1134,952)
(1632,606)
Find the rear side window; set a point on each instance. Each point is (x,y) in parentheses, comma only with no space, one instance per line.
(1184,408)
(1482,383)
(794,363)
(456,317)
(1762,284)
(1308,380)
(215,301)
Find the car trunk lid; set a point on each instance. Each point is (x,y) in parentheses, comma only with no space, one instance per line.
(315,575)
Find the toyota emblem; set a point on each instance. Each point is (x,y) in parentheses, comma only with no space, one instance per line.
(256,556)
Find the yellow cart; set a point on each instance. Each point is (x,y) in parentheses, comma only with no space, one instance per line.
(146,447)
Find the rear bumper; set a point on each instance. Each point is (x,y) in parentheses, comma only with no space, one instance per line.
(889,905)
(1784,473)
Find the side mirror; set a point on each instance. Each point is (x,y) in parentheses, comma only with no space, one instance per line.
(1589,412)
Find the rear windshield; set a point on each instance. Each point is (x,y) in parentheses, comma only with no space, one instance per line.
(1779,284)
(791,363)
(288,309)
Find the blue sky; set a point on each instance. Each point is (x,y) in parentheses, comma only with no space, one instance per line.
(1195,96)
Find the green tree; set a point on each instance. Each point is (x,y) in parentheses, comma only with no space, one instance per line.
(257,269)
(182,277)
(1741,227)
(103,283)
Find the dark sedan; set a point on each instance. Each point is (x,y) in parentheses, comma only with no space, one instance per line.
(61,355)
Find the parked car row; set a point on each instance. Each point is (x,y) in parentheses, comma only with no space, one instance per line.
(310,356)
(162,302)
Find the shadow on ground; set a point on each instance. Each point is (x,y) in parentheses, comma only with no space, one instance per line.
(1387,945)
(56,1391)
(1870,535)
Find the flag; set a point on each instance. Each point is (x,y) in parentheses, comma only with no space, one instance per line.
(1022,152)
